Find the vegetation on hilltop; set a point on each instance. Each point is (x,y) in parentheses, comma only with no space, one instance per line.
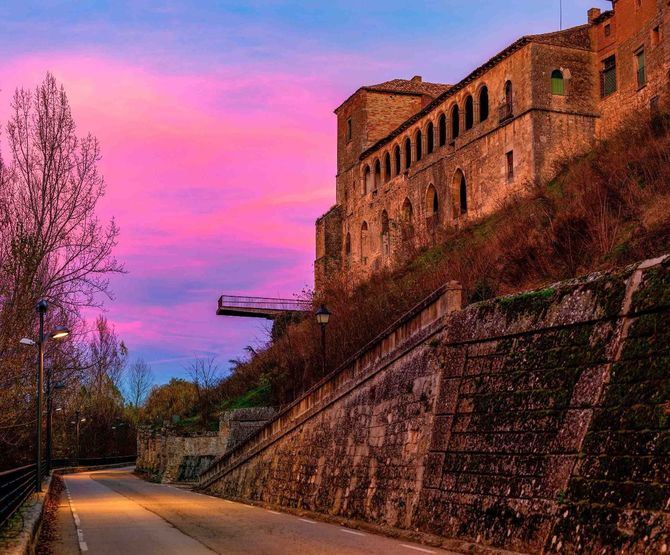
(604,209)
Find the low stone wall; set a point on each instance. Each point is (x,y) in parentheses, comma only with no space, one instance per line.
(176,456)
(172,456)
(538,422)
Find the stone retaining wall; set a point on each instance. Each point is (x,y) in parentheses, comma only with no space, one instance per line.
(538,423)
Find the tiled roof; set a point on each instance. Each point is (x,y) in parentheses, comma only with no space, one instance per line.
(411,86)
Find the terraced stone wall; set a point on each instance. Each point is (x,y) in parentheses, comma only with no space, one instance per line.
(535,423)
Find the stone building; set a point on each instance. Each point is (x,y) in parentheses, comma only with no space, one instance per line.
(413,156)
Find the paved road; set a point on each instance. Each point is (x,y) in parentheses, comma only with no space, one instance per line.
(117,513)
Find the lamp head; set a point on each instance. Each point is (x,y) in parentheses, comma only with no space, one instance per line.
(322,315)
(60,332)
(26,341)
(42,306)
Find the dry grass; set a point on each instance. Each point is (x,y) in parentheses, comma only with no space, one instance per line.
(604,209)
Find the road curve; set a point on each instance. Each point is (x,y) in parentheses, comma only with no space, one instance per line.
(117,513)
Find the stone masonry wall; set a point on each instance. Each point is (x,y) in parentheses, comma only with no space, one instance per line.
(535,423)
(162,453)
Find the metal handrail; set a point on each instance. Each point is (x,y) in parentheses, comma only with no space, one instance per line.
(235,301)
(17,484)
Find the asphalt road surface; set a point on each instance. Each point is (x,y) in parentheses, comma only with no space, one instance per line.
(114,512)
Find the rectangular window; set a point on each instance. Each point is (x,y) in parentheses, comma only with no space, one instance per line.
(641,69)
(510,165)
(608,77)
(608,30)
(348,129)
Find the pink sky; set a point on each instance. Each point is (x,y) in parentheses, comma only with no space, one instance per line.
(218,137)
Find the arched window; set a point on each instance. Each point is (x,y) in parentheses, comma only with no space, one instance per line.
(378,175)
(385,236)
(557,83)
(442,129)
(387,166)
(430,137)
(460,194)
(432,201)
(408,153)
(367,180)
(347,247)
(483,104)
(407,211)
(396,156)
(419,145)
(364,243)
(455,122)
(469,113)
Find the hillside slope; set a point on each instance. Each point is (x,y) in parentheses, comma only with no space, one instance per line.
(605,209)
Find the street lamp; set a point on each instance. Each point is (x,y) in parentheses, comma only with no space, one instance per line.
(322,318)
(59,333)
(50,392)
(77,422)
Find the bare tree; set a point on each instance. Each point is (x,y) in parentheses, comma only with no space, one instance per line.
(205,375)
(139,382)
(52,244)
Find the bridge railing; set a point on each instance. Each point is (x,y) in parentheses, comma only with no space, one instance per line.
(264,303)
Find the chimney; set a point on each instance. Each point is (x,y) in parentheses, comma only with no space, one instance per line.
(417,79)
(594,13)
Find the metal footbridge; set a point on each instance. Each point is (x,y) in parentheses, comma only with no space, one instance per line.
(259,307)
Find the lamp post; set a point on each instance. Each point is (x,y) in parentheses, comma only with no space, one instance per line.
(322,317)
(77,426)
(59,333)
(50,391)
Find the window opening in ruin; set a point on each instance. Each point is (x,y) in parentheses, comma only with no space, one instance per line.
(367,180)
(385,236)
(469,113)
(507,109)
(396,155)
(347,246)
(455,122)
(387,166)
(419,145)
(364,243)
(608,77)
(430,138)
(348,129)
(378,175)
(463,196)
(432,201)
(483,104)
(408,153)
(641,68)
(655,36)
(510,165)
(608,30)
(557,83)
(407,211)
(459,194)
(442,130)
